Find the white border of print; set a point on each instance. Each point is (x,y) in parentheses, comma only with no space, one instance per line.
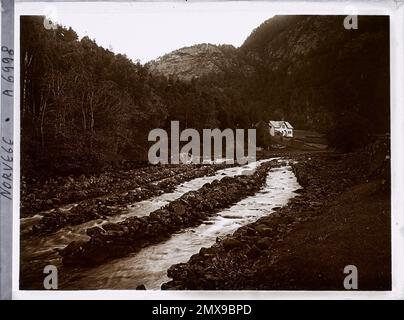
(391,8)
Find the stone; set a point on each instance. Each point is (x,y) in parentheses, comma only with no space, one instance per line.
(264,243)
(264,230)
(94,231)
(178,208)
(111,226)
(231,243)
(212,278)
(179,270)
(206,252)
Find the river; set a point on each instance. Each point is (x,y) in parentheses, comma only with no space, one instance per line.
(149,266)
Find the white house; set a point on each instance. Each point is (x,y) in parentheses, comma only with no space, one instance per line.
(280,128)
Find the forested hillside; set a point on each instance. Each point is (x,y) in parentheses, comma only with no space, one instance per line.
(84,107)
(317,74)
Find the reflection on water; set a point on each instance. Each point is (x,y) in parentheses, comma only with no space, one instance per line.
(149,266)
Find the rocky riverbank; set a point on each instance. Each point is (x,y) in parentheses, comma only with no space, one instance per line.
(118,239)
(341,217)
(40,195)
(44,194)
(150,183)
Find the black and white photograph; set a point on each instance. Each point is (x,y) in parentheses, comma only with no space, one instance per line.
(179,146)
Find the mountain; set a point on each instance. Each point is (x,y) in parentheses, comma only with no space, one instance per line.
(84,107)
(307,69)
(196,61)
(313,71)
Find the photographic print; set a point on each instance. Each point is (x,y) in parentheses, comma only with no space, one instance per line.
(179,146)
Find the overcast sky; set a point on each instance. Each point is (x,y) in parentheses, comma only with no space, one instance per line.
(146,31)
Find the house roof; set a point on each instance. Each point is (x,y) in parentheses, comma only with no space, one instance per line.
(278,124)
(288,125)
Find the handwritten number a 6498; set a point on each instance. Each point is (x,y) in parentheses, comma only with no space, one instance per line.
(9,68)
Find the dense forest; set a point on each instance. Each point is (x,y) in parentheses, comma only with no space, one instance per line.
(84,108)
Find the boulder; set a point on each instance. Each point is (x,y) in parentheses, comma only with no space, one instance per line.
(177,208)
(179,270)
(264,243)
(264,230)
(94,231)
(231,243)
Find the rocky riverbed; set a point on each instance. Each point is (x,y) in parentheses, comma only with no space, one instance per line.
(340,217)
(114,240)
(140,186)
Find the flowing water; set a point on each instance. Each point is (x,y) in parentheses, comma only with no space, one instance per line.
(43,247)
(149,266)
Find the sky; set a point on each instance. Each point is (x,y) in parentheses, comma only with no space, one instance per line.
(145,31)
